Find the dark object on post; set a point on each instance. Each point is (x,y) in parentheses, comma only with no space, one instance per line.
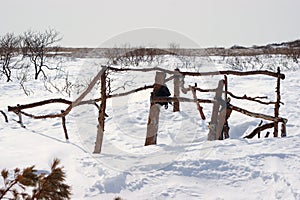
(163,91)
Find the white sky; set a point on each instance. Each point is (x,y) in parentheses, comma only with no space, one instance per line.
(210,23)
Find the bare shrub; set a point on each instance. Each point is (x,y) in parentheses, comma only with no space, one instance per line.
(9,48)
(38,46)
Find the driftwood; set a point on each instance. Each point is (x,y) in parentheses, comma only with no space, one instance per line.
(4,115)
(259,129)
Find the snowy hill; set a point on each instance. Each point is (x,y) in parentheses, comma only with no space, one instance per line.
(183,165)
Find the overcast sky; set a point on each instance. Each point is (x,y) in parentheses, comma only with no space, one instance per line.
(209,23)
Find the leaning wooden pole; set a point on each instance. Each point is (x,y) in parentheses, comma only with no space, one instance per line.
(277,104)
(153,119)
(212,135)
(101,115)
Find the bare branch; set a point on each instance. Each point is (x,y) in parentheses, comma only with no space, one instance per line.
(245,97)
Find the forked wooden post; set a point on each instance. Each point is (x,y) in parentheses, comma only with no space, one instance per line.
(101,115)
(212,135)
(176,105)
(277,103)
(153,119)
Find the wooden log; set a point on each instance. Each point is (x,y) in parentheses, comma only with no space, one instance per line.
(259,129)
(176,105)
(212,135)
(153,119)
(277,104)
(101,115)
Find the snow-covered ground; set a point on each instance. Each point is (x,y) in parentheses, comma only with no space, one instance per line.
(183,165)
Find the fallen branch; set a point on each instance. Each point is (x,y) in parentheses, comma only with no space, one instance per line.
(259,129)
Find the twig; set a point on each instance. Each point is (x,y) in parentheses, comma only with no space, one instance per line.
(4,115)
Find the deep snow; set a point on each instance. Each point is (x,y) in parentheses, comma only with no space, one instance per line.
(184,165)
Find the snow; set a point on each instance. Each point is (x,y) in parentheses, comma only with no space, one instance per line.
(183,165)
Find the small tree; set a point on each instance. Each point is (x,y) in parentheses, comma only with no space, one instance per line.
(9,48)
(38,46)
(43,186)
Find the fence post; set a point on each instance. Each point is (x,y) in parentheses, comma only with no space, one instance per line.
(228,110)
(101,115)
(212,135)
(176,104)
(277,104)
(153,119)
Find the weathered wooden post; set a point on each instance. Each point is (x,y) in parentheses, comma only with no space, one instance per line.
(176,104)
(212,135)
(101,115)
(228,110)
(153,119)
(277,103)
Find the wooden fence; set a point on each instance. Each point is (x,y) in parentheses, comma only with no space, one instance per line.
(221,110)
